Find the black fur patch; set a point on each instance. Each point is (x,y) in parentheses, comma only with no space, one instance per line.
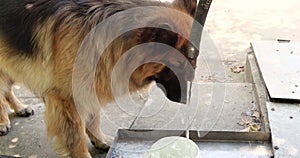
(18,19)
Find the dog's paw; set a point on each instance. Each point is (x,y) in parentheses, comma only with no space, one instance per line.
(26,112)
(103,145)
(4,129)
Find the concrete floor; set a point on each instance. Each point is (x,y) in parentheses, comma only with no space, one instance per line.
(231,25)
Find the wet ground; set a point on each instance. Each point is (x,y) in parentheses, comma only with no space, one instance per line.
(232,25)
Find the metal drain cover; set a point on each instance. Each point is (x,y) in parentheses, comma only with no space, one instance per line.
(279,63)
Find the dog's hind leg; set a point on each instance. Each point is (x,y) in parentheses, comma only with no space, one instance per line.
(6,91)
(7,96)
(97,137)
(5,84)
(65,126)
(19,108)
(4,119)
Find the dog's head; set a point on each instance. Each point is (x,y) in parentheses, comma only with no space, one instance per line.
(179,62)
(172,78)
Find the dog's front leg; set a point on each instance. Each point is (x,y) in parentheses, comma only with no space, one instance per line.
(97,137)
(65,126)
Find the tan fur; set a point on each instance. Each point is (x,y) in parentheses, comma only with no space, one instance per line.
(4,119)
(35,73)
(5,84)
(65,126)
(49,74)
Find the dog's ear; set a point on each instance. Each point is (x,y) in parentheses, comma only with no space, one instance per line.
(188,5)
(163,34)
(160,34)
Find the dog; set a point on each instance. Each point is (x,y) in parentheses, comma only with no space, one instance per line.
(39,42)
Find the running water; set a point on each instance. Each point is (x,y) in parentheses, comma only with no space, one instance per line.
(198,134)
(187,134)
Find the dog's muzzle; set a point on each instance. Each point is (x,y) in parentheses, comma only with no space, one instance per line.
(175,86)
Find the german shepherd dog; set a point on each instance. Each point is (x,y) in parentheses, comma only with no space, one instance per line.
(39,41)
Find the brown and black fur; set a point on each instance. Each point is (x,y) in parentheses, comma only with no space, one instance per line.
(39,40)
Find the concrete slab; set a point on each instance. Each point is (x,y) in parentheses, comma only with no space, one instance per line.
(28,137)
(116,116)
(238,100)
(234,23)
(253,75)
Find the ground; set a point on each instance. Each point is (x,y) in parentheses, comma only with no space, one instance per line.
(231,25)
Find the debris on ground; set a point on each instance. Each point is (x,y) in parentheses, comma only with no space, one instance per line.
(251,120)
(237,69)
(226,101)
(255,114)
